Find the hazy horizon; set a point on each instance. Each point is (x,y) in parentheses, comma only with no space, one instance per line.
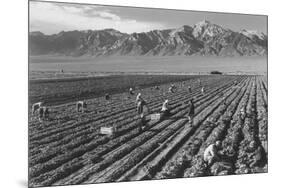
(187,64)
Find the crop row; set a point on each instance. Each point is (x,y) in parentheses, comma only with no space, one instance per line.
(232,140)
(80,149)
(184,158)
(129,105)
(122,165)
(148,169)
(91,130)
(60,134)
(251,154)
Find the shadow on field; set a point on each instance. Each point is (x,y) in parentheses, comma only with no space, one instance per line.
(178,118)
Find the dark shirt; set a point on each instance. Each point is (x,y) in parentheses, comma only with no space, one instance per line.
(41,112)
(191,108)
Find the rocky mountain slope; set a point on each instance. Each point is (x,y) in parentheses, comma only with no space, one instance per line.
(204,38)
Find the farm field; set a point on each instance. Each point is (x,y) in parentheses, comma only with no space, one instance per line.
(56,91)
(68,149)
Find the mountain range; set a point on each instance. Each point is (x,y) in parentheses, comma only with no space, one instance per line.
(204,38)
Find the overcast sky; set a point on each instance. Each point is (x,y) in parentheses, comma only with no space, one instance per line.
(51,18)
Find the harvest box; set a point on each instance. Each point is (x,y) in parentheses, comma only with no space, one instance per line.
(107,130)
(155,117)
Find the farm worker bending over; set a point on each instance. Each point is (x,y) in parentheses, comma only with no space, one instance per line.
(211,153)
(223,100)
(46,112)
(43,113)
(257,154)
(165,109)
(191,111)
(139,98)
(202,90)
(170,89)
(131,92)
(36,106)
(107,96)
(140,104)
(81,105)
(242,113)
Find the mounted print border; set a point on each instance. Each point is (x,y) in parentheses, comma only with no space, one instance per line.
(129,93)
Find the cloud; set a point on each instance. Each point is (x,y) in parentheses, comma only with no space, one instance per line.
(109,15)
(52,18)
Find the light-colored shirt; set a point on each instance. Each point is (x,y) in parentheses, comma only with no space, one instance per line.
(164,106)
(210,151)
(138,99)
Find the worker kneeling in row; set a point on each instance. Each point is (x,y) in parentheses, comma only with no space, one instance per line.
(211,153)
(165,110)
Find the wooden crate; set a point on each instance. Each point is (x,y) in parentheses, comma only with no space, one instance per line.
(155,117)
(107,130)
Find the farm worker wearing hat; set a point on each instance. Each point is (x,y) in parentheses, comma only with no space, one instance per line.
(257,156)
(211,153)
(202,90)
(191,111)
(81,105)
(242,113)
(199,82)
(165,108)
(43,113)
(140,104)
(107,96)
(171,89)
(131,92)
(189,89)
